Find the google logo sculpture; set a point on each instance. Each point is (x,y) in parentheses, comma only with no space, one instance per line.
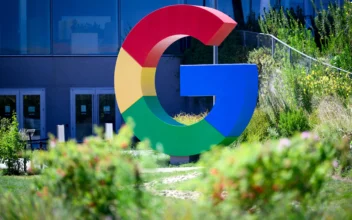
(235,86)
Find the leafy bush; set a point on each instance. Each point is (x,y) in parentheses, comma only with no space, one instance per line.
(292,91)
(326,82)
(336,126)
(259,176)
(279,85)
(11,146)
(331,40)
(33,207)
(97,179)
(257,129)
(334,28)
(270,100)
(266,65)
(334,114)
(292,121)
(290,28)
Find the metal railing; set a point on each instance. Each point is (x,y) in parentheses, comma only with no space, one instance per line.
(258,40)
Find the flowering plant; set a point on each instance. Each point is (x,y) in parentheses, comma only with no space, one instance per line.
(324,82)
(97,178)
(262,174)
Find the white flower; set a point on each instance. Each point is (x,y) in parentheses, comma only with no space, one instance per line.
(52,144)
(284,143)
(335,163)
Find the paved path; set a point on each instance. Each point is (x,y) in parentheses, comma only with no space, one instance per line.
(174,193)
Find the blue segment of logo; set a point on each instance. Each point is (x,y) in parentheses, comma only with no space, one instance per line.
(235,87)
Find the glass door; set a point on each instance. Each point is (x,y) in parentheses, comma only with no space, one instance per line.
(90,107)
(32,112)
(8,105)
(106,107)
(29,106)
(82,113)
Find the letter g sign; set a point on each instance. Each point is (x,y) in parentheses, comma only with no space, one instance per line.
(234,86)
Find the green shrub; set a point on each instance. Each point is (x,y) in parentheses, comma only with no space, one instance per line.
(333,114)
(336,126)
(97,178)
(270,100)
(290,28)
(313,119)
(323,82)
(343,162)
(292,121)
(260,176)
(333,25)
(11,146)
(33,207)
(294,94)
(266,65)
(257,129)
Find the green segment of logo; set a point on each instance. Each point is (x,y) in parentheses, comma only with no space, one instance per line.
(154,124)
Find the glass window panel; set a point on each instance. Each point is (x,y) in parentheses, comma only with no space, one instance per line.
(195,2)
(226,6)
(293,4)
(84,116)
(107,110)
(253,7)
(7,106)
(31,113)
(85,26)
(297,3)
(24,27)
(246,7)
(209,3)
(265,5)
(323,4)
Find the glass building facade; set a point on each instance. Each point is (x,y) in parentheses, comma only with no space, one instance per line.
(85,26)
(94,27)
(25,27)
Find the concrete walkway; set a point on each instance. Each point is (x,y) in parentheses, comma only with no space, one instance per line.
(172,193)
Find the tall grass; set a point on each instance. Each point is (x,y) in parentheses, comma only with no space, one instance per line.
(189,119)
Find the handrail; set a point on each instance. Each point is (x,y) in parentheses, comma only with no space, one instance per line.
(297,51)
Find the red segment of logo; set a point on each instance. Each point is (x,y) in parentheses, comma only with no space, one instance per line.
(148,40)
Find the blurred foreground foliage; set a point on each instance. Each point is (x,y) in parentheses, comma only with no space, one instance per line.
(101,179)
